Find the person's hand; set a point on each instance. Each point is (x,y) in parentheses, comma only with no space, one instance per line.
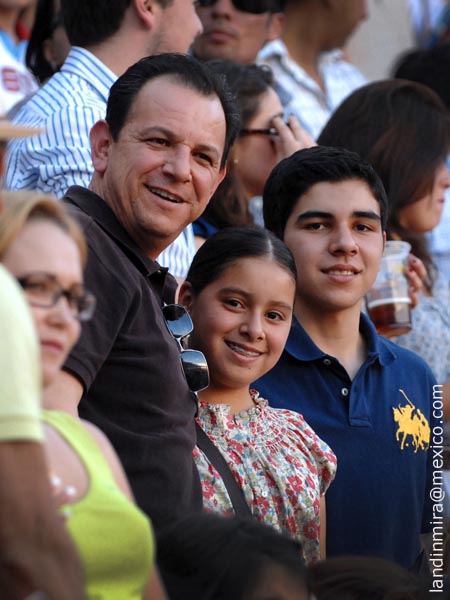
(416,274)
(290,137)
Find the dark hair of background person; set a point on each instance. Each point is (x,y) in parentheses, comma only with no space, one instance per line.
(45,24)
(364,578)
(182,69)
(90,22)
(229,206)
(429,66)
(212,557)
(232,244)
(403,129)
(295,175)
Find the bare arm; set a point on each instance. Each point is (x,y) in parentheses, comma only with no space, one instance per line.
(113,460)
(323,528)
(446,400)
(36,552)
(63,394)
(154,589)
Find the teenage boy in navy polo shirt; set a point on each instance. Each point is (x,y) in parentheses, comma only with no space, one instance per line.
(369,399)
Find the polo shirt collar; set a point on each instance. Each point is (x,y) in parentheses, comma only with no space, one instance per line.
(302,347)
(87,66)
(93,205)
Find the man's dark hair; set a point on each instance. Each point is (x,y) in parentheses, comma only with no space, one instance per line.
(182,69)
(364,578)
(295,175)
(89,22)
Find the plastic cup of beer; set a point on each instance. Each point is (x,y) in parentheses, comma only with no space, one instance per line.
(388,302)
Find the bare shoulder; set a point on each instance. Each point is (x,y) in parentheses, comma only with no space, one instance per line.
(111,457)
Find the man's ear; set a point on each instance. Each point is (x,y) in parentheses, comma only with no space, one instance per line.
(186,295)
(145,10)
(384,240)
(222,174)
(101,142)
(276,26)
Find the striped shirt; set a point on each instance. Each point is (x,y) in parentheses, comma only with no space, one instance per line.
(66,107)
(301,95)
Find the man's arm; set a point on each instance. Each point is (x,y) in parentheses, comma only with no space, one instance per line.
(63,394)
(59,157)
(36,552)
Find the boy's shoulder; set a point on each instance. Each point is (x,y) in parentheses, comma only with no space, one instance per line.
(405,358)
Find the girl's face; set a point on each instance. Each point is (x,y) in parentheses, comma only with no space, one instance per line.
(242,320)
(43,249)
(425,214)
(255,153)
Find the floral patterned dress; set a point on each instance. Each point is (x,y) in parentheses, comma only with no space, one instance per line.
(279,462)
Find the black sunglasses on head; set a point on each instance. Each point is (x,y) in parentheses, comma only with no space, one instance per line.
(256,7)
(195,368)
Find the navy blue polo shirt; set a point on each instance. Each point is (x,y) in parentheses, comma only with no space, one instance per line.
(378,426)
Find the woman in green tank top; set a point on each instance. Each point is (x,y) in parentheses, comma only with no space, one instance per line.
(45,250)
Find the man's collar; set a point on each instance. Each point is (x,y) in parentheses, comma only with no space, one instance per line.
(85,65)
(302,347)
(93,205)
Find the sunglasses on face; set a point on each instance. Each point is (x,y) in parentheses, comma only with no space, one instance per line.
(44,290)
(195,368)
(256,7)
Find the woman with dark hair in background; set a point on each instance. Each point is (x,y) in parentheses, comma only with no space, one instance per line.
(403,129)
(264,139)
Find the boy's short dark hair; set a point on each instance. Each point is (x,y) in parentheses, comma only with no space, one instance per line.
(295,175)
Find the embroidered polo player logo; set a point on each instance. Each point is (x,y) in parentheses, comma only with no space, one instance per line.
(412,426)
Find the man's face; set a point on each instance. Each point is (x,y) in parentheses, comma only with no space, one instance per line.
(232,34)
(160,173)
(335,235)
(175,28)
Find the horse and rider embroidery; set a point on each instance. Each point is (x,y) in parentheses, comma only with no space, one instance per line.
(412,426)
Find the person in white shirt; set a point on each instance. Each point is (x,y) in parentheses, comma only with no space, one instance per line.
(16,81)
(311,72)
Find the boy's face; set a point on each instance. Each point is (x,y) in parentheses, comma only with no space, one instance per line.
(335,235)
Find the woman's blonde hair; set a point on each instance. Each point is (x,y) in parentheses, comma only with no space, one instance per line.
(21,207)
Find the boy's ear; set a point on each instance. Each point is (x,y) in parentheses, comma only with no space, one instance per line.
(186,296)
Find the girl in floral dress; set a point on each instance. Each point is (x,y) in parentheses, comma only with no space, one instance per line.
(240,294)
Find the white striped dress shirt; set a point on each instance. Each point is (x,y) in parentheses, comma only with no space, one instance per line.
(300,94)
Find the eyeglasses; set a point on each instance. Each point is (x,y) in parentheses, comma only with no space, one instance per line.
(268,131)
(179,324)
(256,7)
(44,290)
